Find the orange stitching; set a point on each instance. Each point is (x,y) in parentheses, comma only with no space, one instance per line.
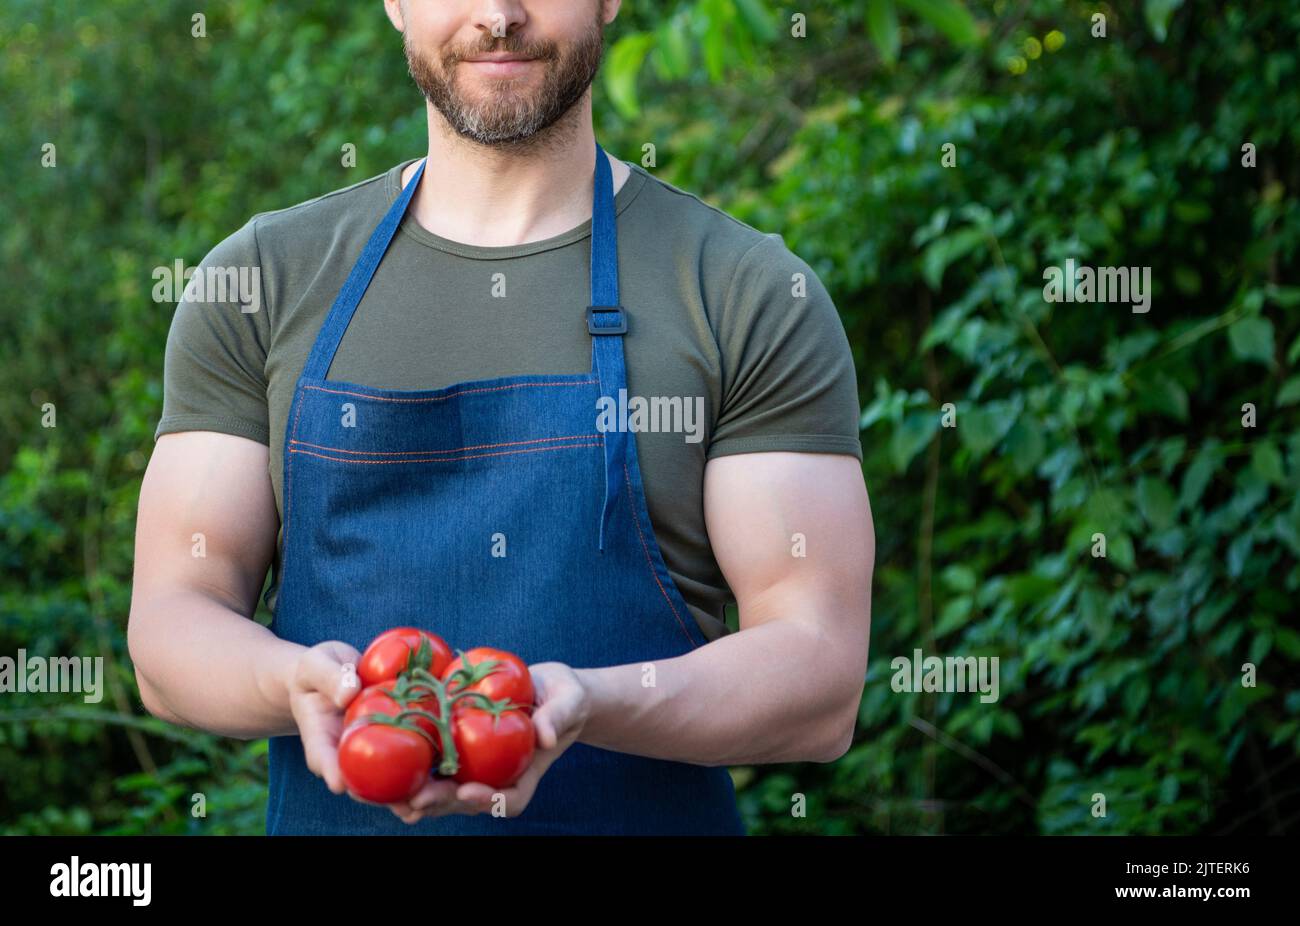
(380,398)
(472,456)
(288,486)
(654,572)
(396,453)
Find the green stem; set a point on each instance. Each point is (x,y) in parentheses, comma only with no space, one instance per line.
(450,762)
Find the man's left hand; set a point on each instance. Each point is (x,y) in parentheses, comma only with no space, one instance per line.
(563,706)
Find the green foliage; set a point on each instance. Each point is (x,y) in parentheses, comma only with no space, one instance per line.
(1120,676)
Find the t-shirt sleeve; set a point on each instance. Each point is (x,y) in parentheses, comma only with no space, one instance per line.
(788,380)
(214,371)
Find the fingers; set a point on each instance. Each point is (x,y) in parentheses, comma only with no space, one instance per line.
(544,726)
(477,795)
(402,809)
(436,792)
(441,797)
(437,798)
(512,801)
(320,693)
(342,651)
(318,728)
(557,716)
(330,668)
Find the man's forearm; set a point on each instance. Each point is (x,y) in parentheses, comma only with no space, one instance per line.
(777,692)
(211,667)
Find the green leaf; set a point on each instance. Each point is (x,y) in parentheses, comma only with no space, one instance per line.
(943,251)
(1207,615)
(1171,452)
(1157,16)
(1288,642)
(1239,553)
(882,24)
(1136,693)
(1266,460)
(1105,511)
(758,18)
(1260,647)
(1094,611)
(717,15)
(1286,527)
(959,578)
(1198,476)
(672,49)
(622,69)
(1120,552)
(1167,607)
(949,17)
(1168,396)
(1284,731)
(1121,354)
(1289,394)
(888,405)
(980,429)
(1252,339)
(1025,445)
(954,615)
(1009,724)
(1156,502)
(912,436)
(1288,297)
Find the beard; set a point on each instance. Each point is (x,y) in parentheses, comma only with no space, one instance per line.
(509,112)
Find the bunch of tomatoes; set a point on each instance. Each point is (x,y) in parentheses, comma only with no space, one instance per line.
(420,710)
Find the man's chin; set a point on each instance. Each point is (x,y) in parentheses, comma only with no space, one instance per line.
(498,94)
(495,133)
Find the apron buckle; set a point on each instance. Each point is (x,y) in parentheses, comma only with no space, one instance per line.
(620,326)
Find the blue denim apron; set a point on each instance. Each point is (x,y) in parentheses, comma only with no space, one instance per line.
(395,503)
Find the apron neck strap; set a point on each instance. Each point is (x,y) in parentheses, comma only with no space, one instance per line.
(349,297)
(604,237)
(606,317)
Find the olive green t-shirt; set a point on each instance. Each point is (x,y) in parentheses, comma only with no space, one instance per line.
(716,308)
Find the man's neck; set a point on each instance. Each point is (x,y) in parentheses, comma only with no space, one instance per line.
(498,197)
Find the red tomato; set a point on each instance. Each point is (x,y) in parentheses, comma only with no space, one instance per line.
(372,700)
(509,678)
(377,700)
(494,751)
(384,763)
(388,654)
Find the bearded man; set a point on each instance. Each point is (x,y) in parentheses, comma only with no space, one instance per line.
(407,433)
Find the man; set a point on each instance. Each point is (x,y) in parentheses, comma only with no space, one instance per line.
(426,405)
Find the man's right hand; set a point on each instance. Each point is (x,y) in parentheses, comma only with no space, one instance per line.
(323,683)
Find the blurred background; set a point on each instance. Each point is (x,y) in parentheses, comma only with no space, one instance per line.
(1162,134)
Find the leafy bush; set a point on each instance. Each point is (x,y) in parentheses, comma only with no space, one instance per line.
(1120,675)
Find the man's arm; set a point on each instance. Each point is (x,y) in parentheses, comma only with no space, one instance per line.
(786,687)
(205,535)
